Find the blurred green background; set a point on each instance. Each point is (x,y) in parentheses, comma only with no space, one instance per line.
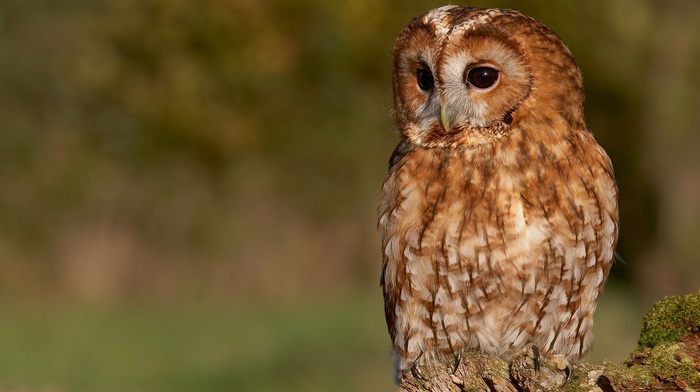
(189,187)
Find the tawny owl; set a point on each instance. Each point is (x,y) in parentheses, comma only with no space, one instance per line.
(499,214)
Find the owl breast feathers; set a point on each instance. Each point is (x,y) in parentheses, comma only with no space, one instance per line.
(499,214)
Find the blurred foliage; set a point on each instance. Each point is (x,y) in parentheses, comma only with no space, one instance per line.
(337,344)
(176,152)
(317,346)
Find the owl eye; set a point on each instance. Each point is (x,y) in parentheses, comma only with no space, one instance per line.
(425,79)
(482,77)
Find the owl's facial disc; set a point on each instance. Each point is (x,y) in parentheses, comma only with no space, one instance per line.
(464,76)
(457,82)
(481,76)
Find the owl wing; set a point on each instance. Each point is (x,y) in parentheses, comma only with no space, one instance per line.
(400,151)
(397,155)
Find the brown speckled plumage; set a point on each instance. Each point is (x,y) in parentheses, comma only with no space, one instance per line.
(499,214)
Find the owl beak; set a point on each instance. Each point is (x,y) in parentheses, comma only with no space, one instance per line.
(444,117)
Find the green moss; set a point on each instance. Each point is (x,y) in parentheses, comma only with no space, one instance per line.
(498,369)
(628,375)
(670,318)
(663,362)
(666,364)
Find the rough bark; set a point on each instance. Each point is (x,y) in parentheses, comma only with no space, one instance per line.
(667,359)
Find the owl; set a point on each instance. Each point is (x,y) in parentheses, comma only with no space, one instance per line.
(499,214)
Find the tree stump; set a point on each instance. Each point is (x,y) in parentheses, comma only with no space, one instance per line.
(667,359)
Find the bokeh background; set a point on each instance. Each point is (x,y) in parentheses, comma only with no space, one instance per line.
(189,187)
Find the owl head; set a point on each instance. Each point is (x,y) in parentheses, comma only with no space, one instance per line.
(464,76)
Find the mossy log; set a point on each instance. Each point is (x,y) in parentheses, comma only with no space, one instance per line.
(667,359)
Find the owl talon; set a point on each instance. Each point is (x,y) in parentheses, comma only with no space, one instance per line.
(564,365)
(457,361)
(415,370)
(569,371)
(535,357)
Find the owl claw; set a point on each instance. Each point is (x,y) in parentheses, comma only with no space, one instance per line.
(415,370)
(536,357)
(569,371)
(564,365)
(457,360)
